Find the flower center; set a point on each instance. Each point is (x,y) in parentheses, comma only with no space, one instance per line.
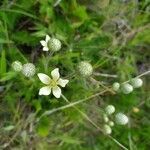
(53,83)
(49,44)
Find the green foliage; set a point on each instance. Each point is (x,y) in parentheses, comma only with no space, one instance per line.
(43,127)
(3,63)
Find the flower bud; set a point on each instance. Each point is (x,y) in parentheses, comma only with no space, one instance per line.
(107,129)
(110,109)
(127,88)
(121,119)
(116,86)
(135,109)
(85,68)
(106,119)
(28,70)
(54,44)
(17,66)
(111,123)
(136,82)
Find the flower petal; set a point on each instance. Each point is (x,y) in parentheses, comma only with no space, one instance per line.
(55,74)
(47,38)
(44,78)
(62,82)
(45,48)
(43,43)
(56,91)
(46,90)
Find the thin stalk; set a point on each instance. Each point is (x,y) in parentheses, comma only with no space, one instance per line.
(143,74)
(46,113)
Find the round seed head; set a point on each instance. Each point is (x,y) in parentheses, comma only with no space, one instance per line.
(17,66)
(121,119)
(107,129)
(110,109)
(28,70)
(116,86)
(136,82)
(85,68)
(127,88)
(54,44)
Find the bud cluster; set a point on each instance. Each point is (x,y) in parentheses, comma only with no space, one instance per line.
(109,110)
(119,118)
(128,87)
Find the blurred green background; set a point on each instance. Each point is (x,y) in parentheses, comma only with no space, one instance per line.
(113,35)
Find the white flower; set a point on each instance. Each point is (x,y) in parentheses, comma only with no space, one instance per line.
(51,44)
(127,88)
(110,109)
(45,43)
(116,86)
(28,70)
(107,129)
(121,119)
(17,66)
(136,82)
(52,84)
(85,68)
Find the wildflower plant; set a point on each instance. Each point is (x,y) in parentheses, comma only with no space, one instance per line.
(52,44)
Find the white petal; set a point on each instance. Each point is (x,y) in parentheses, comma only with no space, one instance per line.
(47,38)
(56,92)
(45,48)
(43,43)
(44,78)
(55,74)
(62,82)
(46,90)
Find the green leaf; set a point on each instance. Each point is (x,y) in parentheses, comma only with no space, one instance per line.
(3,63)
(68,139)
(43,127)
(9,128)
(7,76)
(142,37)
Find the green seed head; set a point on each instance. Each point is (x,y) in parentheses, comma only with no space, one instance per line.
(110,109)
(121,119)
(85,68)
(107,129)
(136,82)
(28,70)
(127,88)
(116,86)
(54,44)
